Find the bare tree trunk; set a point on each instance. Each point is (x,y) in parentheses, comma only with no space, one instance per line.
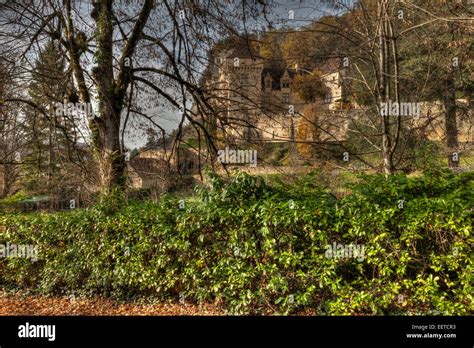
(449,100)
(384,86)
(396,90)
(51,153)
(112,160)
(107,142)
(9,177)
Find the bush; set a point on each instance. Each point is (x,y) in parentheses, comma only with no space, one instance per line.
(15,198)
(262,249)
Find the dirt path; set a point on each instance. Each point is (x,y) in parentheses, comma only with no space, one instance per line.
(42,305)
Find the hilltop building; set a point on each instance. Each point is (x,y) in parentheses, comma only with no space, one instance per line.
(260,101)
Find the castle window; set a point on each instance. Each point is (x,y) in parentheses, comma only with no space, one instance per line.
(285,84)
(286,98)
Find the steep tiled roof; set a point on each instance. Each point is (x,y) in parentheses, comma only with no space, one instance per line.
(244,50)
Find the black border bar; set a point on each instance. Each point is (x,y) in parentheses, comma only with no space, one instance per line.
(225,331)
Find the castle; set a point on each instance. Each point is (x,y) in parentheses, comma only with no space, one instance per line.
(261,101)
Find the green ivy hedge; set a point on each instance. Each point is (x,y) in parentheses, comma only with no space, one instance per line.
(260,249)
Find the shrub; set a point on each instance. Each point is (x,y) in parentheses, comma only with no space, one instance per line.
(262,249)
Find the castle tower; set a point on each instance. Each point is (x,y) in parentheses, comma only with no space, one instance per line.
(240,77)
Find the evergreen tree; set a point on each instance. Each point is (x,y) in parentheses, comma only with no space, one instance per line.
(48,138)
